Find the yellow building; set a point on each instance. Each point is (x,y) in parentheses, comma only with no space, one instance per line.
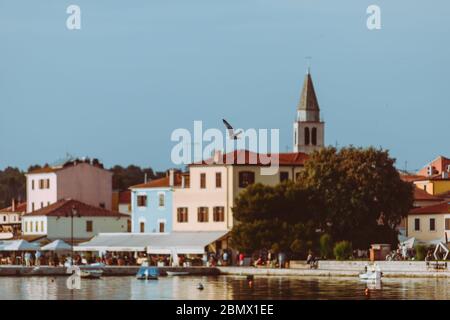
(435,185)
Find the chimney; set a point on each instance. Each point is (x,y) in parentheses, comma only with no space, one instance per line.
(171,177)
(145,178)
(217,156)
(13,205)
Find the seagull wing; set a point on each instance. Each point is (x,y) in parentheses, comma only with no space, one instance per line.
(237,134)
(229,127)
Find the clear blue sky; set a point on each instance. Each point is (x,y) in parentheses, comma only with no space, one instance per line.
(139,69)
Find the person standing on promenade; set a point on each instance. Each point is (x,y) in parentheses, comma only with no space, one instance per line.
(38,258)
(27,259)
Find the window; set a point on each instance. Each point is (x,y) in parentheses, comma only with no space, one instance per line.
(36,226)
(314,136)
(25,226)
(202,214)
(161,227)
(44,183)
(417,224)
(447,224)
(219,214)
(297,176)
(32,206)
(432,224)
(161,200)
(42,226)
(42,205)
(218,179)
(246,178)
(128,225)
(102,205)
(284,176)
(306,136)
(142,201)
(424,188)
(4,218)
(48,203)
(182,214)
(142,227)
(187,181)
(202,180)
(32,184)
(89,226)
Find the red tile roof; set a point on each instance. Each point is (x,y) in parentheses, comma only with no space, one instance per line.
(411,177)
(63,208)
(68,164)
(160,183)
(436,177)
(20,207)
(44,170)
(444,195)
(443,207)
(420,194)
(246,157)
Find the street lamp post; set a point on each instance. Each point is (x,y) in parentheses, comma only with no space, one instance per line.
(73,213)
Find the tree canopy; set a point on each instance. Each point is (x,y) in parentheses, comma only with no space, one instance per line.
(352,194)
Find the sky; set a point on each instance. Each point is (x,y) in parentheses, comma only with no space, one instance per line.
(137,70)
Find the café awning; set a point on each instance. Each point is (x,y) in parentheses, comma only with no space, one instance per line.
(153,243)
(20,245)
(57,245)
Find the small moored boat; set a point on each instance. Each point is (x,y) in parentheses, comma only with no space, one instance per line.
(147,273)
(374,274)
(91,274)
(177,273)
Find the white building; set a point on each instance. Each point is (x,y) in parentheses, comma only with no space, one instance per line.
(11,219)
(85,181)
(55,221)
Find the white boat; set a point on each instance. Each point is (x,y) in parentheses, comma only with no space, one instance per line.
(91,274)
(374,274)
(177,273)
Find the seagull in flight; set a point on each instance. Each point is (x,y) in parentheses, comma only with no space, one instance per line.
(233,135)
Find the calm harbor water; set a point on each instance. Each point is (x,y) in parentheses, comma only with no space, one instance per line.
(222,287)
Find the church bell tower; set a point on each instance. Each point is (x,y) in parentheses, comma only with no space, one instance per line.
(309,130)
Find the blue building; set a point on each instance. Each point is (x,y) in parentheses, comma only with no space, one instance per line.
(151,205)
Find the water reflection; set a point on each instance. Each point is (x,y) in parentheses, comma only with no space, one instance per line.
(223,287)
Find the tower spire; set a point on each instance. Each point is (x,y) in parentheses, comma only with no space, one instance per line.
(308,129)
(308,98)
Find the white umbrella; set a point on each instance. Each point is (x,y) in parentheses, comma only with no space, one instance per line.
(409,243)
(21,245)
(57,245)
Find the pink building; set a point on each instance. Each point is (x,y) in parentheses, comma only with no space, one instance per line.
(83,180)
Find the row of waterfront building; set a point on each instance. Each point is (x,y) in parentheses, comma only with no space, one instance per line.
(74,200)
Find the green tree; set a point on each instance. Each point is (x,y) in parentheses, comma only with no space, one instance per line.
(343,250)
(360,193)
(124,178)
(326,246)
(270,217)
(12,186)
